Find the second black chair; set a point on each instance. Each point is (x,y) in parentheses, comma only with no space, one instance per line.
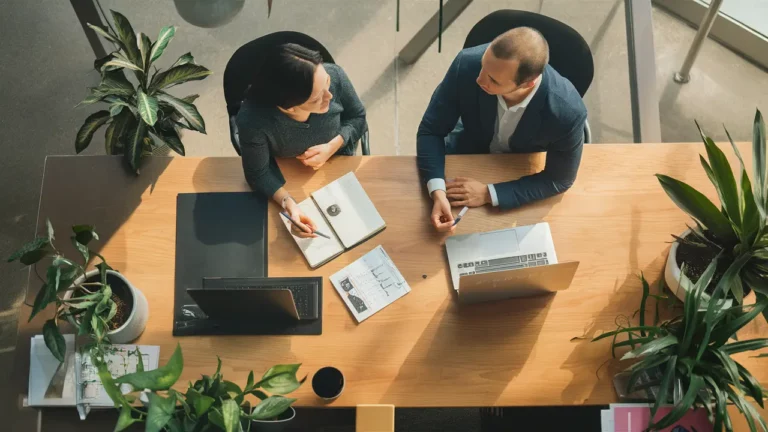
(569,53)
(245,64)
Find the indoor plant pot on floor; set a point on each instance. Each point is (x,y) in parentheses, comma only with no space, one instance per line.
(736,231)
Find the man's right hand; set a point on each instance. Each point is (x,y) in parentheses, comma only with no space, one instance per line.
(306,227)
(442,218)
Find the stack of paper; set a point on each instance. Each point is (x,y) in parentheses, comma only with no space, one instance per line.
(637,417)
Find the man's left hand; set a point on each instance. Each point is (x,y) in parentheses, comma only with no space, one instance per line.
(463,191)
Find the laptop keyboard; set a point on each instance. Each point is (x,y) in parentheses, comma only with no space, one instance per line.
(303,297)
(500,264)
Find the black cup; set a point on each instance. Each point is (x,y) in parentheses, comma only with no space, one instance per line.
(328,383)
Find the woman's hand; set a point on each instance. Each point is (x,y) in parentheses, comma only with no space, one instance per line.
(306,226)
(317,156)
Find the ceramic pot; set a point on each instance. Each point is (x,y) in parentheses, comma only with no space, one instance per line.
(137,318)
(283,421)
(677,282)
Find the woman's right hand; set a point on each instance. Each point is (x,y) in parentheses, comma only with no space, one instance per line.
(307,226)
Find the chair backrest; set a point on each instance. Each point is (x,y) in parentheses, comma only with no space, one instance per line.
(245,63)
(569,53)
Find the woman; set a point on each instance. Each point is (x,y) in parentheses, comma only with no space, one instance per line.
(298,107)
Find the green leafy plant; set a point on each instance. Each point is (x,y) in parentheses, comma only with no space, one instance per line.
(210,404)
(89,305)
(693,353)
(141,116)
(736,231)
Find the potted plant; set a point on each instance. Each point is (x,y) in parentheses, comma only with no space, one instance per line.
(693,352)
(736,231)
(142,116)
(101,303)
(210,404)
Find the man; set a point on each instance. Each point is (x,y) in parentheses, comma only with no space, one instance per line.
(501,97)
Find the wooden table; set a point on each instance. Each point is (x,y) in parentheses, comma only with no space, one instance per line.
(424,349)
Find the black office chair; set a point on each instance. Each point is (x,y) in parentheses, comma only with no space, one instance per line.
(569,53)
(244,65)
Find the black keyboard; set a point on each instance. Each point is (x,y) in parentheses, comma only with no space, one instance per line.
(304,289)
(501,264)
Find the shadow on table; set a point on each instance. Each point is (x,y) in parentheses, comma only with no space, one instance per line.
(624,301)
(94,190)
(481,346)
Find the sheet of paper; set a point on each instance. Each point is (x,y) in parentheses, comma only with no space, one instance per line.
(349,210)
(51,383)
(317,250)
(370,284)
(121,360)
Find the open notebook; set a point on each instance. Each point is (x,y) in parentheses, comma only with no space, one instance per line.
(343,211)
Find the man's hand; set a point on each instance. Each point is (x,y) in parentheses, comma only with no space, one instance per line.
(442,218)
(463,191)
(317,156)
(306,226)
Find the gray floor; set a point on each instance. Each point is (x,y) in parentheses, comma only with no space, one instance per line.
(45,67)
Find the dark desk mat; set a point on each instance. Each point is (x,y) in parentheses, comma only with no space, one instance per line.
(223,235)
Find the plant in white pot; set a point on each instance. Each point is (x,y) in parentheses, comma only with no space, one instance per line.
(736,231)
(209,404)
(100,303)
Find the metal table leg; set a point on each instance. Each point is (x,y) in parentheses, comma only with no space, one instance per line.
(684,75)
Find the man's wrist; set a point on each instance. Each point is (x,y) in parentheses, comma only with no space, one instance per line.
(437,194)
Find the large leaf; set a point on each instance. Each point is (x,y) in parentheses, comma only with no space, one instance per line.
(758,160)
(147,107)
(161,378)
(115,83)
(723,332)
(91,125)
(754,389)
(54,340)
(652,347)
(125,419)
(666,382)
(271,407)
(43,298)
(165,36)
(145,45)
(747,345)
(186,110)
(697,206)
(169,137)
(103,32)
(280,379)
(200,403)
(160,412)
(723,179)
(128,38)
(682,407)
(31,252)
(134,145)
(116,133)
(178,75)
(230,410)
(122,63)
(184,59)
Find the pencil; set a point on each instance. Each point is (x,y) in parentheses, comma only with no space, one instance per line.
(285,215)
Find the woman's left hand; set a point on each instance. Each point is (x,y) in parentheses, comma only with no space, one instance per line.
(317,156)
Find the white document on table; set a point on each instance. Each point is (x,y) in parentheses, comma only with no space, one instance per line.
(317,250)
(370,284)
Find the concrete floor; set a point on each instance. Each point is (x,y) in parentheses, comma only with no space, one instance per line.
(45,67)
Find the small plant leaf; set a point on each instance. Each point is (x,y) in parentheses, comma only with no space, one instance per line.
(186,110)
(103,32)
(54,340)
(147,107)
(31,252)
(231,413)
(200,403)
(650,347)
(91,125)
(161,378)
(170,138)
(125,419)
(135,145)
(84,234)
(271,407)
(165,36)
(280,379)
(160,411)
(43,298)
(183,59)
(178,75)
(128,38)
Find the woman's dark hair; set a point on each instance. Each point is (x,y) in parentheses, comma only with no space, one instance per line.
(286,76)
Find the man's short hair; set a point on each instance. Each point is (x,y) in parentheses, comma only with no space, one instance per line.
(527,46)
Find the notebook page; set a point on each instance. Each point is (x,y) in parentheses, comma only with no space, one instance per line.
(354,217)
(317,250)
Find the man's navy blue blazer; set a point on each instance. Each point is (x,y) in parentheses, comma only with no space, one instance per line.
(553,122)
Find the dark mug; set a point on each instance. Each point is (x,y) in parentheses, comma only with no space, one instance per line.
(328,383)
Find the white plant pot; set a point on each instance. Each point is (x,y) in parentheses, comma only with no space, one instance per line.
(137,320)
(677,282)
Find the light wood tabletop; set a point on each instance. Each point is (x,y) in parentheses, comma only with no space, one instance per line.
(424,349)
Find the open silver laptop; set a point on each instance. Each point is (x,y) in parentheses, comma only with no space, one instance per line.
(514,262)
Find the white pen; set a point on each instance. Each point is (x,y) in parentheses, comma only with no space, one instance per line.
(461,214)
